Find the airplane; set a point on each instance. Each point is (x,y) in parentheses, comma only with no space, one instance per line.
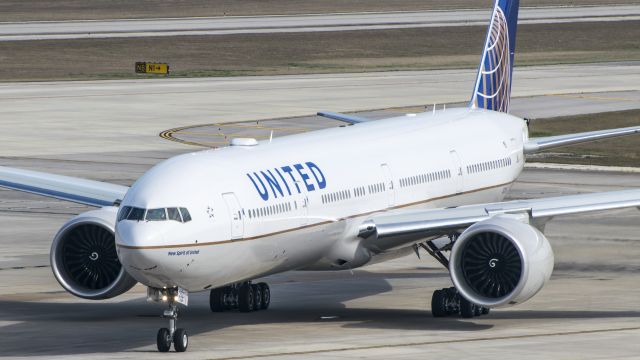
(333,199)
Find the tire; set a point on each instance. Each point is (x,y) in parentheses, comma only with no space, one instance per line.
(477,310)
(245,298)
(216,300)
(257,297)
(485,311)
(180,340)
(466,308)
(266,295)
(438,304)
(163,340)
(229,296)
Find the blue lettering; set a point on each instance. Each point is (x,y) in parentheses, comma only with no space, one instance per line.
(273,183)
(318,175)
(304,177)
(289,171)
(263,194)
(283,180)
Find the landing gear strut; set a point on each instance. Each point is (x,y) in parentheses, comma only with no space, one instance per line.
(446,302)
(244,296)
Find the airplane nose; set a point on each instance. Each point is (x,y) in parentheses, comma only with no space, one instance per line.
(140,257)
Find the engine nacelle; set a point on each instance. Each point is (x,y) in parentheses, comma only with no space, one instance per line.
(500,262)
(84,258)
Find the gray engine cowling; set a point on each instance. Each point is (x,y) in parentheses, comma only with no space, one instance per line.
(500,262)
(84,258)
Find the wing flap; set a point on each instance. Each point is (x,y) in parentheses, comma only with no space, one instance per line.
(83,191)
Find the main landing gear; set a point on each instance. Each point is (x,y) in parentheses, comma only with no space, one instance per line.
(446,302)
(244,296)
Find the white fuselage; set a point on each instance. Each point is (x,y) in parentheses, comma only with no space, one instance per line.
(296,202)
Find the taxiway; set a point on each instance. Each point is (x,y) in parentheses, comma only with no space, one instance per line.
(86,29)
(109,131)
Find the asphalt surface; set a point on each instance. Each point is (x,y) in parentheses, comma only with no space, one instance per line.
(109,131)
(588,310)
(83,29)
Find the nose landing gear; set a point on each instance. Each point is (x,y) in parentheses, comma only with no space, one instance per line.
(171,335)
(177,336)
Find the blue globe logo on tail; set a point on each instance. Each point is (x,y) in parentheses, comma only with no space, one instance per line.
(493,83)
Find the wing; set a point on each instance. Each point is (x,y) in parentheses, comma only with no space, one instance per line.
(544,143)
(342,117)
(83,191)
(393,230)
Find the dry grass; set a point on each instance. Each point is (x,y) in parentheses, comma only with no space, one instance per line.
(23,10)
(323,52)
(623,151)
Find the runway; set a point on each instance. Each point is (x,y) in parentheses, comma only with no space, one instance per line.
(128,115)
(85,29)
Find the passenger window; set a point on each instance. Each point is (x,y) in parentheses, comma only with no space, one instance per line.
(173,214)
(123,213)
(136,214)
(156,215)
(186,217)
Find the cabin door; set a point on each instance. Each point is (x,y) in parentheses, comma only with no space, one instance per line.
(235,213)
(456,171)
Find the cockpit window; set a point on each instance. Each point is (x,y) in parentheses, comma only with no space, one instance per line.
(159,214)
(136,214)
(186,217)
(174,214)
(156,215)
(123,213)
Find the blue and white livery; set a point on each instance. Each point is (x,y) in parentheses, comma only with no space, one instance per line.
(334,199)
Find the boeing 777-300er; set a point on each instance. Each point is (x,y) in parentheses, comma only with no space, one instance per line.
(333,199)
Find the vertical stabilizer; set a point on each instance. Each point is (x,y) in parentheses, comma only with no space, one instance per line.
(492,90)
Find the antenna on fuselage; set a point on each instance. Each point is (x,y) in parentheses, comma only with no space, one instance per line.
(271,137)
(434,108)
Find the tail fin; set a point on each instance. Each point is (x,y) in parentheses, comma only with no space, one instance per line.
(493,84)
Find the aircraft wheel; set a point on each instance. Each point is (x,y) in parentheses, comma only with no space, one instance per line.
(180,340)
(164,340)
(439,304)
(477,310)
(266,295)
(245,298)
(466,308)
(216,300)
(257,297)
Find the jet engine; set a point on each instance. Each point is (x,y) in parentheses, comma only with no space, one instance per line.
(500,262)
(84,258)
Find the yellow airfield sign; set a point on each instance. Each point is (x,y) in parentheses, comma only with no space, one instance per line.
(152,68)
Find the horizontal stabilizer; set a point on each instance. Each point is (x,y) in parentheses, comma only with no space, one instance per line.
(342,117)
(543,143)
(83,191)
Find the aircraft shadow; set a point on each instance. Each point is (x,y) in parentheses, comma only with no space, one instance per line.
(47,328)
